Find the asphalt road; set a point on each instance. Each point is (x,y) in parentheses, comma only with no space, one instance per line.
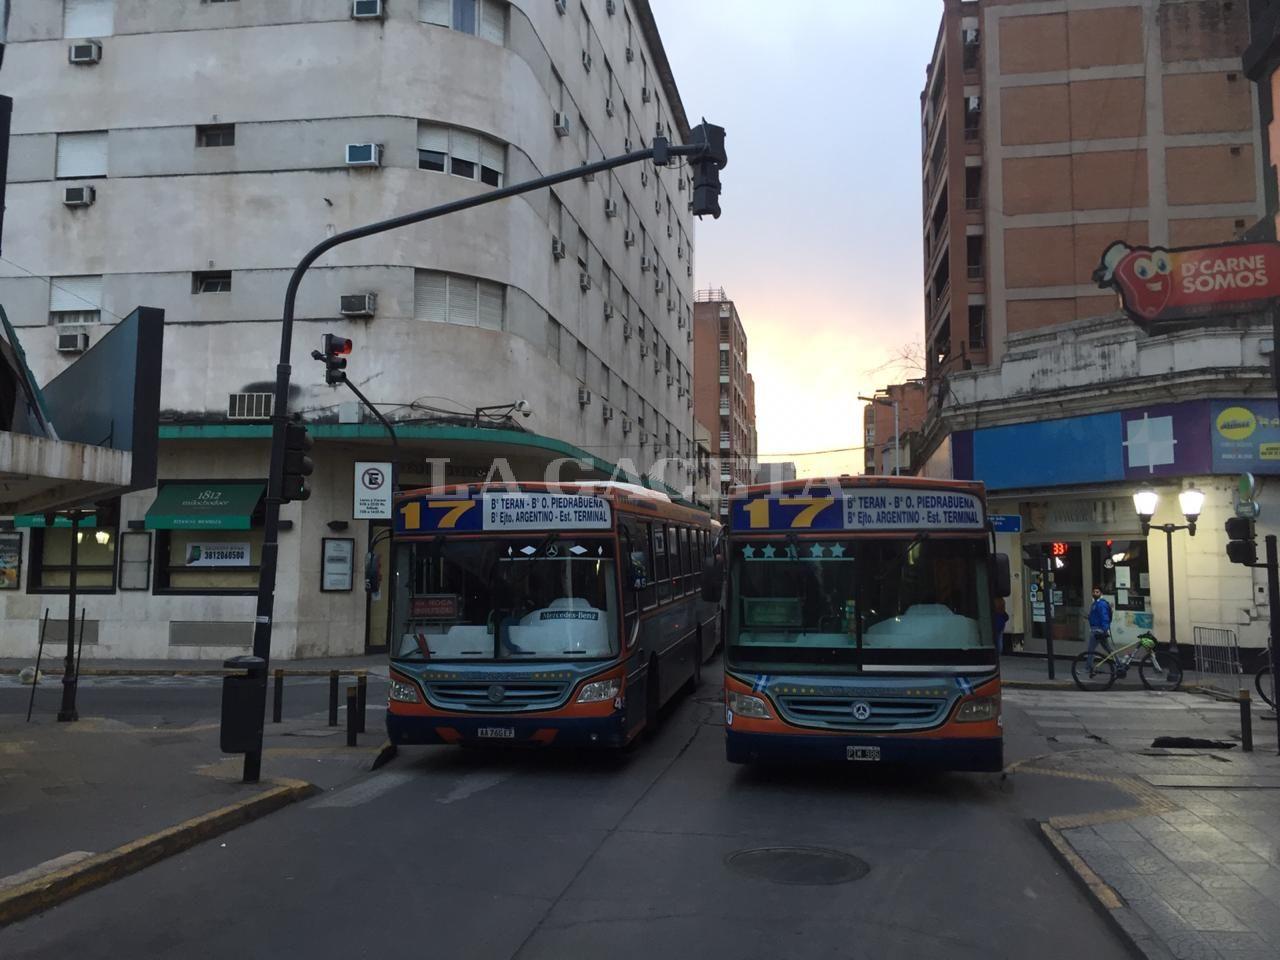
(464,854)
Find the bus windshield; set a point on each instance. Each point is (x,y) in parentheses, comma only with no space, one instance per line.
(842,601)
(536,598)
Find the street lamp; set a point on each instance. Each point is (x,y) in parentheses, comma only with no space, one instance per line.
(500,411)
(1191,502)
(890,401)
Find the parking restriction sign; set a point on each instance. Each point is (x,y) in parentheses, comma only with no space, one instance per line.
(372,492)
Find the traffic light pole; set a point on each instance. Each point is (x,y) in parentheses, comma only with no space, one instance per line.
(1273,602)
(708,150)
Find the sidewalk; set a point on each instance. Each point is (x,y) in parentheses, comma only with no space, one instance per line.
(51,665)
(1191,867)
(86,802)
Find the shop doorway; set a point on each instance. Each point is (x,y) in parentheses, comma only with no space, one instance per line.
(378,601)
(1120,568)
(1055,570)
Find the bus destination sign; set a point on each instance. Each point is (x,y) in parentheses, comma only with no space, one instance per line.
(504,512)
(881,508)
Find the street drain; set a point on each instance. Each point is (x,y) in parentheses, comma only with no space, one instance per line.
(799,865)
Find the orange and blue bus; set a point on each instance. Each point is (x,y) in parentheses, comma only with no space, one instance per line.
(541,615)
(860,623)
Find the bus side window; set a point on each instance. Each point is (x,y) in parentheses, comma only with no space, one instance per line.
(661,562)
(686,562)
(677,559)
(657,563)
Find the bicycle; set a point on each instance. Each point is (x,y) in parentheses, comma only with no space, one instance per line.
(1265,681)
(1159,671)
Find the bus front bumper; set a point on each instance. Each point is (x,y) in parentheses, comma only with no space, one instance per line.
(507,730)
(985,754)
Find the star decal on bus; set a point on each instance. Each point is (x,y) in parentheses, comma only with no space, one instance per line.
(837,550)
(769,552)
(817,550)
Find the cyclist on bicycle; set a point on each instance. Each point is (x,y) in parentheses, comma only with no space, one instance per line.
(1099,625)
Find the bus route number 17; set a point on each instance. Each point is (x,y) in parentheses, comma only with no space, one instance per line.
(807,509)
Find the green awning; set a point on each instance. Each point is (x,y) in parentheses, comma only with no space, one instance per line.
(205,506)
(36,520)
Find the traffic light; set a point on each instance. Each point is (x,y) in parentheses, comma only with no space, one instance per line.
(706,169)
(297,462)
(1242,543)
(335,354)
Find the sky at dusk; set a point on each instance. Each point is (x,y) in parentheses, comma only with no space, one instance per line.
(819,244)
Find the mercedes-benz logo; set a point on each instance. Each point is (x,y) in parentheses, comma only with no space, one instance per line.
(861,710)
(497,693)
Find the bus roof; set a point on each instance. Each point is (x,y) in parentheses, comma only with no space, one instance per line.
(860,482)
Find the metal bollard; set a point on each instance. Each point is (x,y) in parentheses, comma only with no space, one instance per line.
(351,716)
(362,698)
(333,698)
(1246,722)
(277,708)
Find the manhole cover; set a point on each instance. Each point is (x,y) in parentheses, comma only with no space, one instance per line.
(802,865)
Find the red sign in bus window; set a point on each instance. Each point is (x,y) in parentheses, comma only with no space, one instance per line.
(434,606)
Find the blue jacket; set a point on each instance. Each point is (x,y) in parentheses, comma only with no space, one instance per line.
(1100,615)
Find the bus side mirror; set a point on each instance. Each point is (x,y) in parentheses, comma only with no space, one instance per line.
(639,571)
(712,579)
(1001,580)
(372,572)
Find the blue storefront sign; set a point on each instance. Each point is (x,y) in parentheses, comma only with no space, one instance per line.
(1006,522)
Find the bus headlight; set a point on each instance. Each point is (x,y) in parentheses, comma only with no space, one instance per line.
(599,690)
(403,692)
(975,711)
(747,706)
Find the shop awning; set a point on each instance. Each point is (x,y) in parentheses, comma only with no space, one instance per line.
(205,506)
(36,520)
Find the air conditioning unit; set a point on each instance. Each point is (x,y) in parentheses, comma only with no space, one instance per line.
(644,350)
(561,6)
(657,129)
(626,144)
(608,310)
(610,7)
(560,121)
(73,342)
(626,329)
(671,381)
(680,184)
(629,238)
(657,285)
(631,55)
(364,154)
(85,51)
(679,253)
(79,196)
(557,248)
(607,412)
(671,305)
(645,94)
(657,364)
(689,337)
(645,264)
(680,390)
(584,396)
(358,304)
(610,208)
(670,233)
(680,321)
(586,61)
(644,178)
(626,425)
(644,437)
(657,207)
(367,9)
(689,270)
(588,177)
(689,402)
(608,107)
(584,281)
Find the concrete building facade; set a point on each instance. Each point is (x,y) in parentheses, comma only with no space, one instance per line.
(884,450)
(724,393)
(1053,129)
(281,122)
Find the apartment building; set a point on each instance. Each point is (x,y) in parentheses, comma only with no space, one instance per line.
(724,392)
(891,425)
(184,155)
(1050,131)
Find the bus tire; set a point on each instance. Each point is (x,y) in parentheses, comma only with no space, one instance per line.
(652,699)
(695,678)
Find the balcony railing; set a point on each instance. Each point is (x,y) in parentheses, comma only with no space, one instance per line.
(973,203)
(976,271)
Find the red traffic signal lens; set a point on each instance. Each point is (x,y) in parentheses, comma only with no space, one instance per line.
(342,347)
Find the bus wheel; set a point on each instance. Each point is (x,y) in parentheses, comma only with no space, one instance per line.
(695,678)
(652,698)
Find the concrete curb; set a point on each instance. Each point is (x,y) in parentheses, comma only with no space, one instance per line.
(49,890)
(1139,939)
(386,753)
(1038,684)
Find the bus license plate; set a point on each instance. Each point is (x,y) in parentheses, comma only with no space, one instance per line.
(496,733)
(862,753)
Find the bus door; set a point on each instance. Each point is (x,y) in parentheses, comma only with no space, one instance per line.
(636,584)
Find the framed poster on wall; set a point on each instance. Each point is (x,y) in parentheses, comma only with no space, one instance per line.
(10,561)
(337,571)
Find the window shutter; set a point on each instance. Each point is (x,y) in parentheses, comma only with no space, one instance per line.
(493,155)
(431,137)
(462,301)
(75,294)
(434,11)
(466,146)
(88,18)
(492,299)
(493,21)
(82,154)
(430,296)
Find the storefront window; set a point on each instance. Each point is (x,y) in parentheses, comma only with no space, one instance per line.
(1120,569)
(208,561)
(1057,567)
(95,560)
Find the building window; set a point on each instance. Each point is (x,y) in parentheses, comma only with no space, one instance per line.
(88,18)
(972,47)
(461,153)
(216,135)
(553,339)
(973,255)
(977,325)
(482,18)
(212,281)
(50,557)
(81,155)
(75,299)
(183,564)
(466,301)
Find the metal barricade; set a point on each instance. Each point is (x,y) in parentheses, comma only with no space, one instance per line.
(1217,660)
